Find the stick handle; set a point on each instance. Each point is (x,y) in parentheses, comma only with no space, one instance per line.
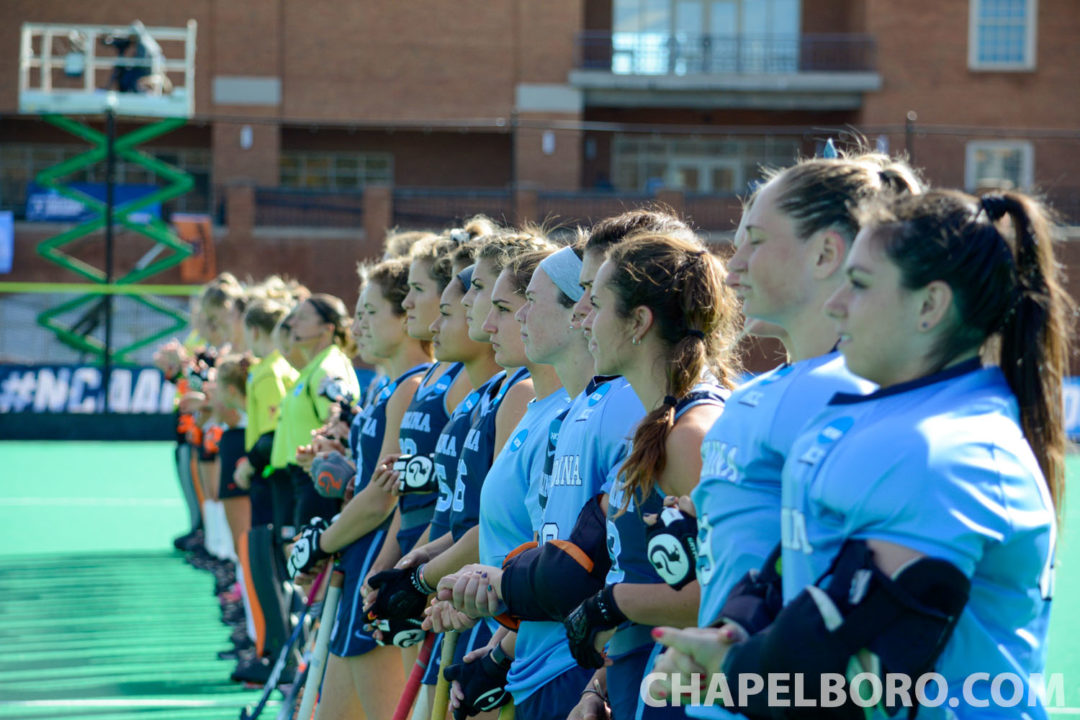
(442,687)
(506,712)
(322,645)
(412,685)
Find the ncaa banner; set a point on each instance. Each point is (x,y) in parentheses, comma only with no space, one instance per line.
(80,389)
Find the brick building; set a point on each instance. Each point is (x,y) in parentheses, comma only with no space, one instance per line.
(326,121)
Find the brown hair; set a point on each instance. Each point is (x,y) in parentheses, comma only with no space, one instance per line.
(264,315)
(332,310)
(521,269)
(695,315)
(1006,287)
(220,292)
(606,233)
(399,243)
(438,253)
(392,279)
(822,193)
(501,249)
(232,371)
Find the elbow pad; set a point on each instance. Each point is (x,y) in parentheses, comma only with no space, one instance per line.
(546,582)
(861,620)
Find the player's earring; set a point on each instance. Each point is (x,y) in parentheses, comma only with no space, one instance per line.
(634,341)
(925,325)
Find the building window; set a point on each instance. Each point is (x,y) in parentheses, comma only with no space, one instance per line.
(1002,34)
(999,165)
(335,171)
(682,37)
(21,163)
(694,165)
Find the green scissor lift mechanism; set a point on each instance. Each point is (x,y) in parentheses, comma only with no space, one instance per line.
(179,182)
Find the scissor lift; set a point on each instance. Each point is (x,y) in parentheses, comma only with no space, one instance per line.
(89,71)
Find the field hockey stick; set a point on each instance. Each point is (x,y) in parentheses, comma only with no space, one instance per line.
(322,645)
(283,656)
(412,685)
(442,687)
(506,712)
(288,704)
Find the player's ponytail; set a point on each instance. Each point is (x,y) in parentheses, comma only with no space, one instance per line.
(1035,333)
(694,314)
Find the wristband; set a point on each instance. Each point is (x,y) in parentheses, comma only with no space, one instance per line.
(500,658)
(420,583)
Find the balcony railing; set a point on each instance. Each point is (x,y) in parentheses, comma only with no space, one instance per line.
(623,53)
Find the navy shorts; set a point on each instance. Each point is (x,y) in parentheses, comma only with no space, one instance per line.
(230,450)
(624,678)
(554,700)
(348,638)
(477,636)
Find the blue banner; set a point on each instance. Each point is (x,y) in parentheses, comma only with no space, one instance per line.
(47,205)
(79,389)
(7,241)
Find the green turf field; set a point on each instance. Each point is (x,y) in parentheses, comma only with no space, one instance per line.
(100,619)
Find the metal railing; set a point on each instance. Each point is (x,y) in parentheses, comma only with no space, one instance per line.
(570,209)
(287,207)
(694,54)
(438,208)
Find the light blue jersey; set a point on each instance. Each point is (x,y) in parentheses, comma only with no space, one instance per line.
(592,440)
(509,499)
(738,498)
(939,465)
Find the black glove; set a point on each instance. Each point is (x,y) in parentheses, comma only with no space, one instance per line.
(597,614)
(399,633)
(402,594)
(757,598)
(306,552)
(672,547)
(483,683)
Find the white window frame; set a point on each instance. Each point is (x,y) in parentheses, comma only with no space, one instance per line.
(1027,160)
(1030,44)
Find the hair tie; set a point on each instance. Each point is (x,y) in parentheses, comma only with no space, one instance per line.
(459,236)
(995,206)
(671,401)
(695,333)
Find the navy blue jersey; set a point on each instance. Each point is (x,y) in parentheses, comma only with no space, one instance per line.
(448,454)
(626,530)
(368,428)
(478,454)
(939,465)
(421,425)
(348,637)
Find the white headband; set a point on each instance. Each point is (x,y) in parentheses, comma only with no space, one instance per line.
(564,269)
